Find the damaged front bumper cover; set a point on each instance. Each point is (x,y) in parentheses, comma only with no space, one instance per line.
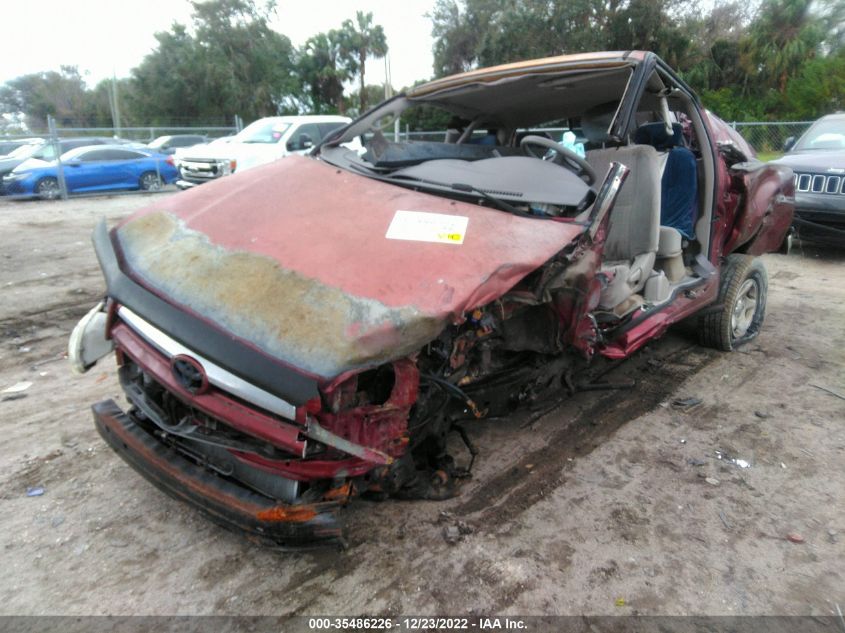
(225,502)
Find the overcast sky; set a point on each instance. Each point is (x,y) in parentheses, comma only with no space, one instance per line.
(105,36)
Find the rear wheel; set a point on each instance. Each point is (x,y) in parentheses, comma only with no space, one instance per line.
(738,314)
(150,181)
(47,189)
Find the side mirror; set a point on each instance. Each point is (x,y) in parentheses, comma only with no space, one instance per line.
(73,163)
(788,143)
(305,142)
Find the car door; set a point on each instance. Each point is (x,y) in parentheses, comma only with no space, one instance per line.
(125,167)
(86,170)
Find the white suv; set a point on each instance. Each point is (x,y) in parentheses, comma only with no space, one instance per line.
(260,142)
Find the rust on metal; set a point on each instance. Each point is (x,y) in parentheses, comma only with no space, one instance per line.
(318,328)
(290,514)
(341,493)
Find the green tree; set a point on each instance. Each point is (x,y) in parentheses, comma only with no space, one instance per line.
(323,72)
(782,38)
(101,111)
(653,25)
(457,30)
(359,40)
(170,84)
(469,33)
(251,65)
(818,89)
(61,94)
(742,57)
(375,94)
(234,63)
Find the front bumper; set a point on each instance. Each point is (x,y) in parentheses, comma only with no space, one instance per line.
(223,501)
(196,172)
(820,217)
(15,187)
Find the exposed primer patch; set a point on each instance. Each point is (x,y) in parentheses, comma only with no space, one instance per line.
(320,329)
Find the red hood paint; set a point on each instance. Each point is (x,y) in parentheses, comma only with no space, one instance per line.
(300,240)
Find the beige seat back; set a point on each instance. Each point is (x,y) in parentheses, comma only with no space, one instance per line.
(631,246)
(635,219)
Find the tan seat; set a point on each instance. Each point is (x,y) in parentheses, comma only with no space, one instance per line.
(631,246)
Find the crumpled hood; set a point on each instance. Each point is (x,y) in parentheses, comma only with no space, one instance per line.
(293,257)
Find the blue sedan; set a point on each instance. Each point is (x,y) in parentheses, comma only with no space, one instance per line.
(90,169)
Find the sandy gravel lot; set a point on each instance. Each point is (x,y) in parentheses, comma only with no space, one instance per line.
(606,505)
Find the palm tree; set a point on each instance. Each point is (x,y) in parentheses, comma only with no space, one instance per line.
(323,70)
(785,34)
(361,40)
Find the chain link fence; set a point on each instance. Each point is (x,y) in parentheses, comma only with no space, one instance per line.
(139,134)
(767,138)
(48,145)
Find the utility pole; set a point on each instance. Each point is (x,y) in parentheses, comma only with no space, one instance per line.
(388,87)
(57,148)
(115,105)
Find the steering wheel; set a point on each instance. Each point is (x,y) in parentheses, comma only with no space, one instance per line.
(565,157)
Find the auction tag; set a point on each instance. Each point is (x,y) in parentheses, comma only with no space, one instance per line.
(421,226)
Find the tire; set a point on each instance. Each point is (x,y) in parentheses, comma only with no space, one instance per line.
(48,189)
(738,314)
(150,181)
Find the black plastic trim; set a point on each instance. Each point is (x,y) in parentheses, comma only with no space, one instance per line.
(224,502)
(622,124)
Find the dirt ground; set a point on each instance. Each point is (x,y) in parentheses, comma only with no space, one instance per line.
(613,503)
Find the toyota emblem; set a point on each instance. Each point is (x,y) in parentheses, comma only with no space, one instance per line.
(189,374)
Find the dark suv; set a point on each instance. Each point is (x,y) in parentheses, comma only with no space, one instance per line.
(818,160)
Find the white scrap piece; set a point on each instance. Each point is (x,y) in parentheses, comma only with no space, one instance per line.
(422,226)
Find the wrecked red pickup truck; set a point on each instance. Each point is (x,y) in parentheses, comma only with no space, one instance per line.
(318,328)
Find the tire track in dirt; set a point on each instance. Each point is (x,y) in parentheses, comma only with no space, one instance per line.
(658,374)
(53,316)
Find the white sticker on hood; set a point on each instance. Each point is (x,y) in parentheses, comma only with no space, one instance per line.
(421,226)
